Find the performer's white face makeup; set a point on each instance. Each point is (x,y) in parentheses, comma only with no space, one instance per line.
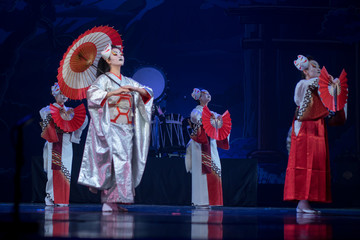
(313,70)
(60,98)
(116,58)
(205,97)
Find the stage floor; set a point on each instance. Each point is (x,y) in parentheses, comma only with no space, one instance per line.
(79,221)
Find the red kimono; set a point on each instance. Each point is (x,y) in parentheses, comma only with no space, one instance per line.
(308,170)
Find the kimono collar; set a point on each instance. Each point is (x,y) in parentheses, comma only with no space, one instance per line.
(199,107)
(59,105)
(313,80)
(118,78)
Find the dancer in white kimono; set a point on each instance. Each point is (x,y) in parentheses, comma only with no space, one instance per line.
(202,158)
(58,151)
(118,138)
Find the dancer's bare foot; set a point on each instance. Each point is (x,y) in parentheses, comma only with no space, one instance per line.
(49,201)
(205,207)
(110,207)
(304,207)
(93,190)
(61,205)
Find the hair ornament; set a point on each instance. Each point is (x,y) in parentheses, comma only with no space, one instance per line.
(105,54)
(196,94)
(55,90)
(301,62)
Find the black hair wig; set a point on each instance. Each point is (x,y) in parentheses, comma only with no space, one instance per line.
(103,66)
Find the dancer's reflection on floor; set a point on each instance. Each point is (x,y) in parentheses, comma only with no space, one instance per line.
(306,226)
(56,221)
(206,223)
(117,225)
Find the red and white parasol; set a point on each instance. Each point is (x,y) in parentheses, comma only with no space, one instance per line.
(68,123)
(75,73)
(215,128)
(334,96)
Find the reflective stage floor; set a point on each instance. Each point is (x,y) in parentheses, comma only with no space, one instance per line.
(84,221)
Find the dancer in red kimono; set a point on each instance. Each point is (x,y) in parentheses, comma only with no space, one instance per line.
(308,171)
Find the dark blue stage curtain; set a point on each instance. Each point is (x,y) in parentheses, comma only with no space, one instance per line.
(239,180)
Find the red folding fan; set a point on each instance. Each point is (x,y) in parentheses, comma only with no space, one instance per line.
(69,123)
(334,96)
(215,128)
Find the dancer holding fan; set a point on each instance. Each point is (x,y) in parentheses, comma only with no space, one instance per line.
(308,171)
(210,130)
(61,126)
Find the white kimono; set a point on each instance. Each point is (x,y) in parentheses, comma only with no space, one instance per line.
(118,139)
(206,188)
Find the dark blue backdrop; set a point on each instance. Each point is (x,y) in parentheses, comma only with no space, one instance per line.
(241,51)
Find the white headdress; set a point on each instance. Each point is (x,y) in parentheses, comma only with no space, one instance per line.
(105,54)
(55,90)
(301,62)
(197,93)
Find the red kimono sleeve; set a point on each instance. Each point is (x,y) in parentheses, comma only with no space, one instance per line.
(314,110)
(146,98)
(223,144)
(200,136)
(338,119)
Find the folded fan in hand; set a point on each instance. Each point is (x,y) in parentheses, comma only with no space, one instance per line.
(215,128)
(69,125)
(334,96)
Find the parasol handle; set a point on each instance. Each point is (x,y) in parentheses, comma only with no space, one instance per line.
(106,75)
(335,97)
